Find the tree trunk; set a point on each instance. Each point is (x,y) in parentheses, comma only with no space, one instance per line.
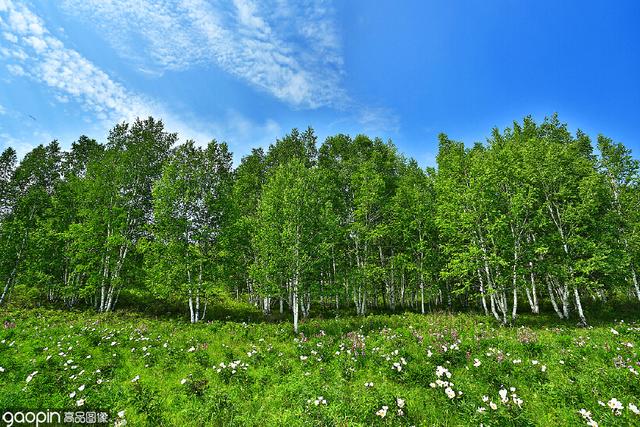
(583,320)
(482,293)
(633,276)
(552,297)
(294,304)
(421,295)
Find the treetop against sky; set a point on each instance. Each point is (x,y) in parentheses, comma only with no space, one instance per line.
(246,72)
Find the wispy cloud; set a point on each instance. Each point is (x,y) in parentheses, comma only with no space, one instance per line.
(34,52)
(31,51)
(288,48)
(378,119)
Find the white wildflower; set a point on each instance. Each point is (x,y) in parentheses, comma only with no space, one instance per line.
(382,412)
(30,376)
(450,393)
(615,405)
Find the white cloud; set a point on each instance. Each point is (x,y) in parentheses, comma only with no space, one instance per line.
(21,146)
(45,59)
(378,119)
(16,70)
(288,48)
(10,37)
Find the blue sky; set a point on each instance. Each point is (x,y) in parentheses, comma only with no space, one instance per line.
(247,71)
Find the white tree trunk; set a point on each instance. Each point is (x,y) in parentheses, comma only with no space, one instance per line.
(583,320)
(421,295)
(294,304)
(633,276)
(552,297)
(482,293)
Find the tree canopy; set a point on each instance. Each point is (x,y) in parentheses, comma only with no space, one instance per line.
(534,217)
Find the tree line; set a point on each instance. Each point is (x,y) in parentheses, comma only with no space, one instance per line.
(534,216)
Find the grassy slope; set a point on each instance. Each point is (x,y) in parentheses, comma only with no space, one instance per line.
(277,384)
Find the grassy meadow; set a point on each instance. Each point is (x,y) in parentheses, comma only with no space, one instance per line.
(402,369)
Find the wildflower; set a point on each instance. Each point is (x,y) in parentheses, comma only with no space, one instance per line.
(615,405)
(1,369)
(517,401)
(182,381)
(136,378)
(585,413)
(450,393)
(81,387)
(368,385)
(440,371)
(562,362)
(476,363)
(503,395)
(99,381)
(31,375)
(191,350)
(320,401)
(121,414)
(516,361)
(303,358)
(493,406)
(400,402)
(543,368)
(400,412)
(485,398)
(72,394)
(382,412)
(614,332)
(79,402)
(633,408)
(482,410)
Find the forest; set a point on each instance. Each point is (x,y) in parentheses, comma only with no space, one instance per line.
(535,218)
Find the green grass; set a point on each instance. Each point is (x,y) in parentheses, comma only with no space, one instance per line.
(285,374)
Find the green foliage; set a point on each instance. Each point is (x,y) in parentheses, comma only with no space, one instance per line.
(534,217)
(335,371)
